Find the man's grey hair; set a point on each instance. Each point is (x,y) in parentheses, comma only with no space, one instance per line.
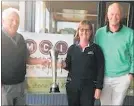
(119,7)
(8,12)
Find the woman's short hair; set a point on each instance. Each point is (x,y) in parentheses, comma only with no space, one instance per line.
(83,22)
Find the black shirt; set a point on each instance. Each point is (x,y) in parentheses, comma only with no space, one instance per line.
(85,65)
(14,57)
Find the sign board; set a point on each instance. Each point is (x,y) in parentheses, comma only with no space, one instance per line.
(39,77)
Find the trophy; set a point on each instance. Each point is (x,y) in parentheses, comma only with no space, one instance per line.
(54,57)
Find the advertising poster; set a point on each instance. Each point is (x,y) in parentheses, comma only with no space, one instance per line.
(39,77)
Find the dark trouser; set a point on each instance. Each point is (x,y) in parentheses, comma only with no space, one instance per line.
(83,96)
(13,95)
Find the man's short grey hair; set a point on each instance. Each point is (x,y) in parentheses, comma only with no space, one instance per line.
(117,5)
(8,12)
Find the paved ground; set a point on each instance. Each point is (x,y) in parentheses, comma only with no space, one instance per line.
(60,100)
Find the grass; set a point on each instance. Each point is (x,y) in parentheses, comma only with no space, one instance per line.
(132,84)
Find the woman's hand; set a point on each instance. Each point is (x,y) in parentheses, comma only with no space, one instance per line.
(97,94)
(130,77)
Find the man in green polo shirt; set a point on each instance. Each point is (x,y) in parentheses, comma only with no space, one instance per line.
(117,43)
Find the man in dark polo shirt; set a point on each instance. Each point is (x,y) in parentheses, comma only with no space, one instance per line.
(15,56)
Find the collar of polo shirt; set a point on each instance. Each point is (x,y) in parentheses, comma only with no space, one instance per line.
(78,44)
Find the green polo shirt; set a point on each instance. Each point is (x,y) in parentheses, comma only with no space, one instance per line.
(118,49)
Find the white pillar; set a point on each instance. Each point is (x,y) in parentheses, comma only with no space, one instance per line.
(40,17)
(22,15)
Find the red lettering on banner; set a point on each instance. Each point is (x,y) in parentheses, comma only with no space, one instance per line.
(62,47)
(31,45)
(45,46)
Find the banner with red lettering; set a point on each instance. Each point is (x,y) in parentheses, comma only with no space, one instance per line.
(39,77)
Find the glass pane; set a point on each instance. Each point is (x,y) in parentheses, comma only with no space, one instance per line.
(63,16)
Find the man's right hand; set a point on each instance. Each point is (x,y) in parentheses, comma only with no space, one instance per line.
(61,64)
(44,62)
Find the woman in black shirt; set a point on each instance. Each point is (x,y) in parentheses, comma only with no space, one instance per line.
(85,64)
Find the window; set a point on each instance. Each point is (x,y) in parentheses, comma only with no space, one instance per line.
(63,16)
